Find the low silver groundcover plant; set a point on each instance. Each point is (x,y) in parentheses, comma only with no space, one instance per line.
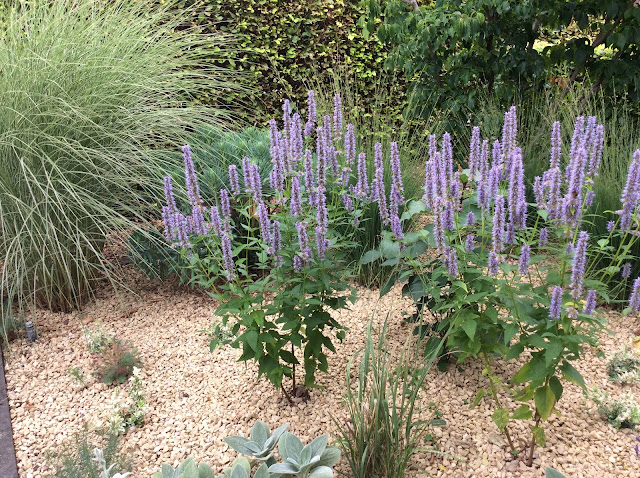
(186,469)
(312,461)
(98,457)
(262,442)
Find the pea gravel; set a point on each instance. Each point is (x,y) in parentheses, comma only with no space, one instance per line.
(196,398)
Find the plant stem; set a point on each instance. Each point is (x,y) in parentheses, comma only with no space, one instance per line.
(533,442)
(494,394)
(286,394)
(294,371)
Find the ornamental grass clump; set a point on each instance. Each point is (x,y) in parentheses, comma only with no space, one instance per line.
(276,250)
(90,94)
(520,279)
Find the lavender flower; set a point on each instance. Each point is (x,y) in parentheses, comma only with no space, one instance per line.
(450,259)
(447,216)
(588,200)
(350,145)
(344,177)
(634,299)
(321,243)
(216,223)
(362,186)
(543,237)
(525,257)
(555,309)
(493,263)
(233,179)
(438,227)
(197,224)
(626,270)
(469,242)
(556,146)
(303,241)
(265,223)
(396,227)
(497,231)
(579,264)
(396,174)
(321,213)
(193,189)
(590,303)
(630,193)
(297,263)
(225,204)
(471,219)
(495,174)
(610,226)
(308,170)
(168,196)
(516,198)
(256,182)
(296,202)
(348,202)
(182,231)
(311,114)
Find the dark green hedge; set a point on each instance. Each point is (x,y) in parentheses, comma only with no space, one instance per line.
(287,46)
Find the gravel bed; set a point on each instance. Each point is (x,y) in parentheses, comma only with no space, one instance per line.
(196,398)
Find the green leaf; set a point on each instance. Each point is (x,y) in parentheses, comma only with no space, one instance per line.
(501,418)
(556,387)
(523,412)
(543,213)
(544,400)
(469,326)
(570,374)
(538,436)
(553,473)
(370,256)
(479,396)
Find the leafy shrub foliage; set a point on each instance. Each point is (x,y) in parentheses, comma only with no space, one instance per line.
(624,367)
(456,50)
(285,44)
(89,91)
(623,412)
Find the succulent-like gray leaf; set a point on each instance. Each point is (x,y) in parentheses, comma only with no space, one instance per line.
(242,445)
(262,472)
(319,444)
(190,469)
(205,471)
(284,468)
(238,471)
(260,433)
(330,456)
(306,454)
(290,446)
(273,439)
(183,466)
(321,472)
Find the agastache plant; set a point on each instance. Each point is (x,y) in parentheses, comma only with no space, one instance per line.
(520,279)
(276,257)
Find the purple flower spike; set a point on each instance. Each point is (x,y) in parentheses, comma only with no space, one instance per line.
(588,200)
(447,216)
(276,244)
(378,191)
(297,263)
(321,213)
(321,243)
(396,227)
(474,153)
(556,146)
(296,202)
(216,223)
(233,179)
(579,264)
(450,259)
(286,119)
(630,193)
(265,223)
(396,173)
(469,242)
(227,256)
(303,241)
(590,303)
(471,219)
(256,183)
(516,198)
(497,232)
(308,170)
(168,196)
(362,187)
(311,114)
(525,257)
(493,263)
(626,270)
(350,145)
(225,204)
(246,174)
(348,202)
(634,299)
(543,237)
(555,309)
(193,189)
(610,226)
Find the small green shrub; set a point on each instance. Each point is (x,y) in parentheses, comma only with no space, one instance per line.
(97,339)
(76,458)
(131,413)
(624,367)
(623,412)
(117,363)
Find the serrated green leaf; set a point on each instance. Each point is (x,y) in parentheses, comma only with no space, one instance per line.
(544,400)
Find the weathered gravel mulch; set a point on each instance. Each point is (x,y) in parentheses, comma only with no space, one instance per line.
(196,398)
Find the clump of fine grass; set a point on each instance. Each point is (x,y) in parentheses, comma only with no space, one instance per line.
(94,98)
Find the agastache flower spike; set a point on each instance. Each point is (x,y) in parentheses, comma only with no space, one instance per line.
(634,299)
(474,153)
(276,244)
(337,116)
(233,179)
(256,183)
(610,226)
(227,256)
(396,173)
(193,189)
(296,202)
(471,218)
(265,224)
(396,227)
(450,259)
(525,257)
(303,241)
(286,119)
(556,146)
(579,264)
(362,187)
(497,232)
(296,144)
(246,173)
(447,216)
(483,180)
(216,224)
(321,213)
(543,237)
(350,145)
(590,303)
(311,114)
(469,242)
(630,193)
(321,243)
(493,263)
(555,309)
(626,270)
(516,199)
(379,192)
(308,170)
(168,196)
(498,162)
(297,263)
